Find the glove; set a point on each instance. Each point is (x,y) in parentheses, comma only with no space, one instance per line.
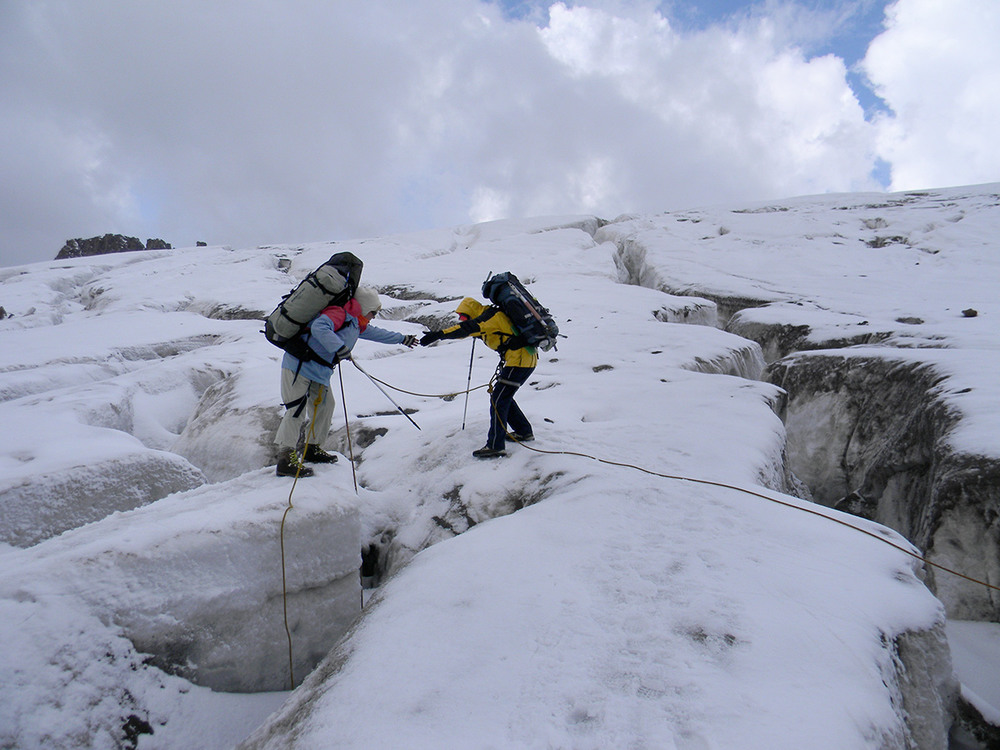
(409,341)
(430,337)
(342,354)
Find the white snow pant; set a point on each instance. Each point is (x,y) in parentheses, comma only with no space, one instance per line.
(318,406)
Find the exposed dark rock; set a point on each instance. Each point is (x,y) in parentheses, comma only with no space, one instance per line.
(886,241)
(775,340)
(409,293)
(109,243)
(233,312)
(970,313)
(727,306)
(369,566)
(133,727)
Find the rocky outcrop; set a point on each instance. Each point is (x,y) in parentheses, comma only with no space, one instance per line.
(869,435)
(109,243)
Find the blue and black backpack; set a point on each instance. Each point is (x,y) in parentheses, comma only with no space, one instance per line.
(533,322)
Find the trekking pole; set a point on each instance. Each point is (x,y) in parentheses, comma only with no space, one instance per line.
(468,386)
(347,426)
(375,383)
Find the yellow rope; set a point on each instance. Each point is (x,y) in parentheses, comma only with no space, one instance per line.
(608,462)
(429,395)
(712,483)
(281,536)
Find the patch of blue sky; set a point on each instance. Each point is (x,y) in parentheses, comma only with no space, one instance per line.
(861,22)
(858,23)
(882,173)
(536,11)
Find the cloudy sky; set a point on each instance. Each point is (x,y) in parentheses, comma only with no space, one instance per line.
(279,121)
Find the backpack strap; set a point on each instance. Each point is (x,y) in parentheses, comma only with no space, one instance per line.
(300,403)
(300,349)
(488,313)
(508,341)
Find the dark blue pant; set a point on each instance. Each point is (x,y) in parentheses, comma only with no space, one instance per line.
(504,410)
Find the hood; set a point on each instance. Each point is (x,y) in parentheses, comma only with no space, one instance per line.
(472,308)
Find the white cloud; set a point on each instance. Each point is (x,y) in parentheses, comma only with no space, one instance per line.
(306,120)
(937,66)
(488,205)
(760,117)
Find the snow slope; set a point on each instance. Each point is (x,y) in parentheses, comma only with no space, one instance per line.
(582,592)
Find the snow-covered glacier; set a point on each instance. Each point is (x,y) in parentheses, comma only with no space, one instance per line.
(652,571)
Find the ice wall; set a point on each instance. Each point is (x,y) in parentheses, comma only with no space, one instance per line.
(868,433)
(36,507)
(196,580)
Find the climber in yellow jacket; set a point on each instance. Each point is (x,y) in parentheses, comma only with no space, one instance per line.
(517,363)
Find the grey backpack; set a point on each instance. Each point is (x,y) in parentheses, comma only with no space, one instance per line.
(333,283)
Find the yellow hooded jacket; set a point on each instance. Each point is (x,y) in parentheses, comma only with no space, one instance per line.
(493,329)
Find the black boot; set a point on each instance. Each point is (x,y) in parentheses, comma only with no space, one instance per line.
(487,452)
(316,455)
(289,464)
